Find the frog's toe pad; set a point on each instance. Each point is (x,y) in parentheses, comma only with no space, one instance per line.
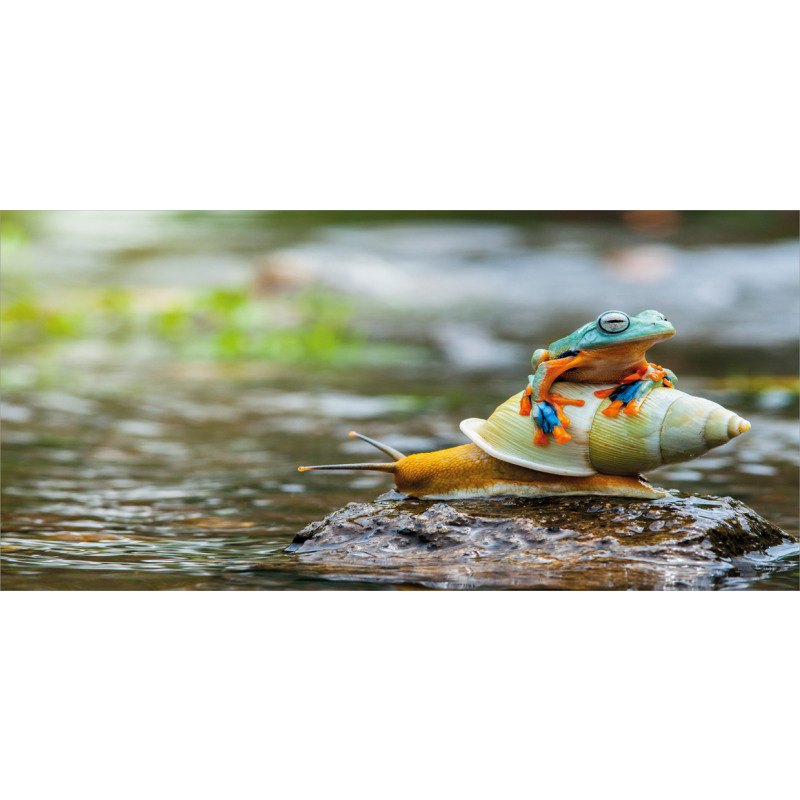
(613,409)
(561,435)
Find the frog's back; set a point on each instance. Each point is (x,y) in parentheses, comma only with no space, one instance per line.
(577,340)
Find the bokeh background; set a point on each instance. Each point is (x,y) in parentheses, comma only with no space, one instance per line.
(164,373)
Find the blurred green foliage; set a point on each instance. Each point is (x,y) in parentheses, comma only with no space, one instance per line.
(313,326)
(36,327)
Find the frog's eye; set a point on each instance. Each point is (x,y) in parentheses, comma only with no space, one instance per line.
(613,322)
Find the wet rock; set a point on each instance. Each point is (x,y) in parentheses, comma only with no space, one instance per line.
(543,543)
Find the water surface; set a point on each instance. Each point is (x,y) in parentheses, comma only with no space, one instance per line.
(136,466)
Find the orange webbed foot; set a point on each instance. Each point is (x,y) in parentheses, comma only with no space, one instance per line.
(561,436)
(525,404)
(613,409)
(562,417)
(549,417)
(635,376)
(560,400)
(656,372)
(605,392)
(540,438)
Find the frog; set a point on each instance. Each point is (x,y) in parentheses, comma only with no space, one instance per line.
(611,349)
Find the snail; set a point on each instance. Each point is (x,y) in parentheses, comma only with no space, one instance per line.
(600,368)
(605,453)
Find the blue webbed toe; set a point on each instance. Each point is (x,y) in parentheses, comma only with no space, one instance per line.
(626,391)
(545,416)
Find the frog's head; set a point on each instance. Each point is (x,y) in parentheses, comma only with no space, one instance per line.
(616,327)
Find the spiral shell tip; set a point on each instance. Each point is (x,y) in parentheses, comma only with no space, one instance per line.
(743,425)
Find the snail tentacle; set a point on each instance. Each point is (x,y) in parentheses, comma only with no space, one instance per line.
(384,448)
(372,467)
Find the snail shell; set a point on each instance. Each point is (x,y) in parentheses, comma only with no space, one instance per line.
(671,426)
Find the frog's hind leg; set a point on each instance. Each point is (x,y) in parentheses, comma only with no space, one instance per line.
(661,376)
(654,376)
(538,357)
(633,390)
(622,395)
(671,379)
(549,416)
(635,376)
(635,403)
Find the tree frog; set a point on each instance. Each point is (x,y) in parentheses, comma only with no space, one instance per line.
(609,350)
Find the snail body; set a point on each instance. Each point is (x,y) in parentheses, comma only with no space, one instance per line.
(605,455)
(468,471)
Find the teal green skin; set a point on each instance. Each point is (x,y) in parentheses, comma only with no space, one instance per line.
(624,352)
(649,325)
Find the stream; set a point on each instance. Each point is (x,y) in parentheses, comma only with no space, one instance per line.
(129,464)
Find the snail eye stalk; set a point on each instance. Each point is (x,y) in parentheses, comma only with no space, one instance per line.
(613,322)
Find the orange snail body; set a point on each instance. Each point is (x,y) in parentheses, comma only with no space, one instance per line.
(467,471)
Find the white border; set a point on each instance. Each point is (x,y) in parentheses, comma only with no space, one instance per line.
(416,105)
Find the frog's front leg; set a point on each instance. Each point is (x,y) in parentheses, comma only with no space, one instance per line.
(634,389)
(546,407)
(525,403)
